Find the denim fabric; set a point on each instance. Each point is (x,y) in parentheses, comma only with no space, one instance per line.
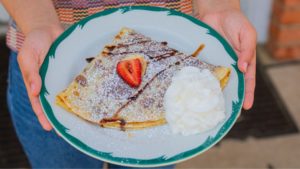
(43,149)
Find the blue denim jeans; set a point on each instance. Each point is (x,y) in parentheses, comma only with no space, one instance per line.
(43,149)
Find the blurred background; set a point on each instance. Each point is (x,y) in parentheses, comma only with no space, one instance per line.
(267,136)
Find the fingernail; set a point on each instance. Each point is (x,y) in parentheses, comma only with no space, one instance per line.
(245,66)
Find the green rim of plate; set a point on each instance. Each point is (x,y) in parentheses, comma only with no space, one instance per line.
(160,161)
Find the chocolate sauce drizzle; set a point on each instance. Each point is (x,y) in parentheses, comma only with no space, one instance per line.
(166,53)
(134,43)
(111,48)
(90,59)
(164,43)
(140,91)
(169,53)
(122,122)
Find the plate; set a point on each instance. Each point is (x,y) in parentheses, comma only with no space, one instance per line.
(143,148)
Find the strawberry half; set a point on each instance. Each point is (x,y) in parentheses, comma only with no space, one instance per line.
(130,71)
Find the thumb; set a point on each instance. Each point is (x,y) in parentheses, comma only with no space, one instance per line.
(28,60)
(247,47)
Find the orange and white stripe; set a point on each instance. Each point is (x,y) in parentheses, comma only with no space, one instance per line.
(71,11)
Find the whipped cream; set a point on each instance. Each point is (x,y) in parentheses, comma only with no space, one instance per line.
(194,101)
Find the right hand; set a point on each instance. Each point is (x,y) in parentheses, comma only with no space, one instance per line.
(30,58)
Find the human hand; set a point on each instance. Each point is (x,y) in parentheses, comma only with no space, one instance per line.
(30,59)
(229,21)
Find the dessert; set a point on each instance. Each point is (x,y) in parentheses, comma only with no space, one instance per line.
(194,101)
(124,86)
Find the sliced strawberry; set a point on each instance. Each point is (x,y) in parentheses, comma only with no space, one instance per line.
(130,71)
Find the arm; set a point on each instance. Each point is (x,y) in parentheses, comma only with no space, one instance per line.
(39,22)
(226,17)
(33,14)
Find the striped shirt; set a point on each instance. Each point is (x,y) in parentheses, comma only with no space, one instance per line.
(71,11)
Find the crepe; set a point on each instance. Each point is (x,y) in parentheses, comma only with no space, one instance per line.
(100,96)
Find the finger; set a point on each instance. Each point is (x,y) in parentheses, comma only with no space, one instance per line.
(250,79)
(37,108)
(247,47)
(28,61)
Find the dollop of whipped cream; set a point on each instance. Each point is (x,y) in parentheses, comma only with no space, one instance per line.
(194,102)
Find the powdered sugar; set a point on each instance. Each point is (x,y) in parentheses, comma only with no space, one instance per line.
(106,92)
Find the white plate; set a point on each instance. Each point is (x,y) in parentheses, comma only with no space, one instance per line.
(149,147)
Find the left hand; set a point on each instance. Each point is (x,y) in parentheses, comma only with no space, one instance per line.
(237,30)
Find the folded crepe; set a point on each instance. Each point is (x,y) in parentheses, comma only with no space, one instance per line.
(99,95)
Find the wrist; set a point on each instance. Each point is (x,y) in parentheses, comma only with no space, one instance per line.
(53,30)
(205,7)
